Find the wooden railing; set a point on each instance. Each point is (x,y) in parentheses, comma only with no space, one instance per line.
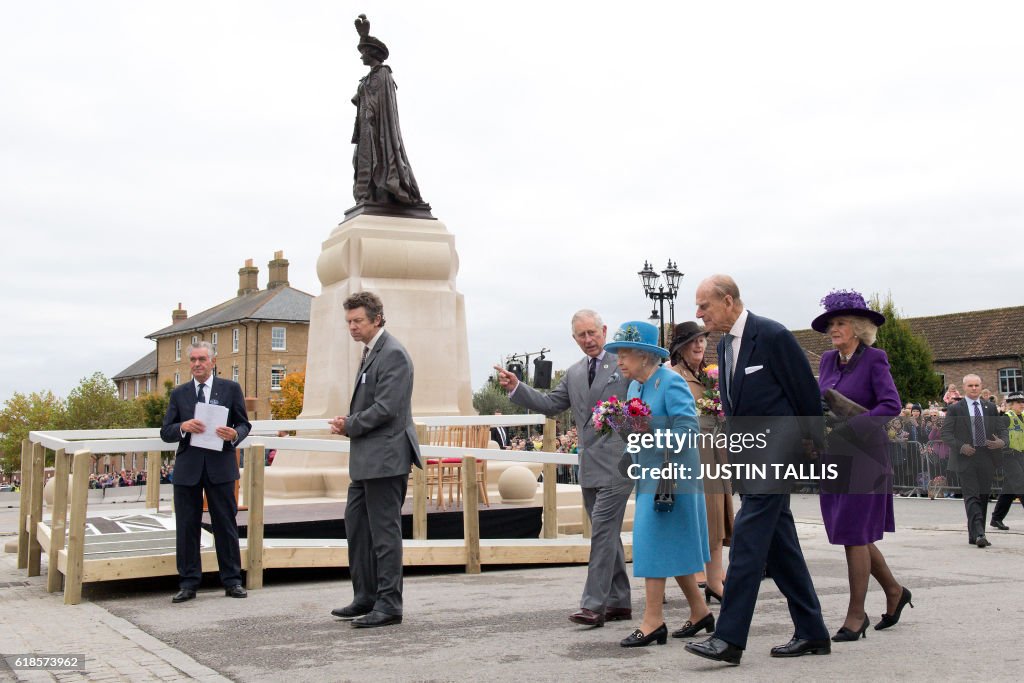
(74,451)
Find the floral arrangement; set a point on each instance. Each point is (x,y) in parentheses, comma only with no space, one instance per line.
(613,415)
(840,299)
(711,402)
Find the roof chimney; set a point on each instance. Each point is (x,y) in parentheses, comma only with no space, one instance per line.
(278,271)
(178,314)
(247,283)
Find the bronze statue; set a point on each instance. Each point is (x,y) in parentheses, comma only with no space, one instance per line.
(384,182)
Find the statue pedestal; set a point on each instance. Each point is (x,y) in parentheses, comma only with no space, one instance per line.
(411,264)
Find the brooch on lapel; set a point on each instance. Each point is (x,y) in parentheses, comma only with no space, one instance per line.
(657,383)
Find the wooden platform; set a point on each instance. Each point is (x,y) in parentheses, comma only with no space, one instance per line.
(137,544)
(327,520)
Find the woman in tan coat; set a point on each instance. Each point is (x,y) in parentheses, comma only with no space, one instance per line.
(689,342)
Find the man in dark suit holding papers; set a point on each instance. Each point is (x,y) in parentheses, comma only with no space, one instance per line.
(213,471)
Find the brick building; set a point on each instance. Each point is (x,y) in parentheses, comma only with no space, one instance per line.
(259,336)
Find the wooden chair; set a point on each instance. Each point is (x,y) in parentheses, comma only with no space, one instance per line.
(447,472)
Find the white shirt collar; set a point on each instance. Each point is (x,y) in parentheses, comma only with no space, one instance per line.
(373,342)
(739,325)
(208,383)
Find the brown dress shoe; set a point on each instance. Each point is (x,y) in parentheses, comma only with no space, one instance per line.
(587,618)
(618,614)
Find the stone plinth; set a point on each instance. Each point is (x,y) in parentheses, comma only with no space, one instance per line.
(411,265)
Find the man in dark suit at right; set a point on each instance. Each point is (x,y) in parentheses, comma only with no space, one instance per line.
(976,435)
(499,435)
(766,384)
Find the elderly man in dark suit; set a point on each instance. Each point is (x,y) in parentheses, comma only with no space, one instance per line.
(384,449)
(198,470)
(976,436)
(606,594)
(767,387)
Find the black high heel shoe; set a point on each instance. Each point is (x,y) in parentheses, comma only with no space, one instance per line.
(638,639)
(893,619)
(690,629)
(708,594)
(845,635)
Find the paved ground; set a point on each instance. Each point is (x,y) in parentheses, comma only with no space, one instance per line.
(511,624)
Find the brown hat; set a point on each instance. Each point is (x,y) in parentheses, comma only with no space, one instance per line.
(685,333)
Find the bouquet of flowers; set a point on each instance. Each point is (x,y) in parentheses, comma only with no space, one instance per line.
(613,416)
(711,402)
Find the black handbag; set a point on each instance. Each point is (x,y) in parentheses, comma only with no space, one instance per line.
(664,496)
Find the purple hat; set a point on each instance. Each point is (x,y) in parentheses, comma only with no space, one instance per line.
(845,302)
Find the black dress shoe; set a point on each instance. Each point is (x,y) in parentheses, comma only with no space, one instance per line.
(236,592)
(183,595)
(375,619)
(618,614)
(847,635)
(708,594)
(689,629)
(799,647)
(638,639)
(893,619)
(716,649)
(998,524)
(351,611)
(982,542)
(587,617)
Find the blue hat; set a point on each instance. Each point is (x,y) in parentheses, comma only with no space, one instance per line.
(637,334)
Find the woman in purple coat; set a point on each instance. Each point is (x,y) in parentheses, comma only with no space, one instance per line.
(857,507)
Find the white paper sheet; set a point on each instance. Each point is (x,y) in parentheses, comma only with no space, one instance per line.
(212,417)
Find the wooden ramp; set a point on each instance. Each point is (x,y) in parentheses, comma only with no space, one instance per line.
(139,544)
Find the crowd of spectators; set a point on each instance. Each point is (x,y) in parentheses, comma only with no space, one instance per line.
(128,477)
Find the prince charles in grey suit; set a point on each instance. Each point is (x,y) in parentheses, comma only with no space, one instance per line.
(606,595)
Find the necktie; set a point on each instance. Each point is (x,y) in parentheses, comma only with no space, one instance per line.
(728,362)
(362,361)
(591,371)
(979,427)
(199,397)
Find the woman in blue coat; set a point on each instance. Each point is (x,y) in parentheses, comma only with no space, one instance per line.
(667,542)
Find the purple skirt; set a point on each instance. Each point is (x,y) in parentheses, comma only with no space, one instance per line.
(857,518)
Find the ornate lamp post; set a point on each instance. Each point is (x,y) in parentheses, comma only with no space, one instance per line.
(660,292)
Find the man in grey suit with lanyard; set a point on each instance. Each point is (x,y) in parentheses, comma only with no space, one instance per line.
(384,449)
(606,594)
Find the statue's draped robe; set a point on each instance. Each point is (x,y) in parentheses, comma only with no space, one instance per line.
(382,170)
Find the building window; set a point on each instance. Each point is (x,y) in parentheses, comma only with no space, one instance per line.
(124,390)
(136,388)
(234,340)
(177,349)
(1010,380)
(276,375)
(195,339)
(213,342)
(234,373)
(149,384)
(277,339)
(177,379)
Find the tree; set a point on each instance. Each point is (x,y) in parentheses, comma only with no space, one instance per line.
(154,405)
(491,397)
(94,404)
(910,359)
(22,414)
(288,403)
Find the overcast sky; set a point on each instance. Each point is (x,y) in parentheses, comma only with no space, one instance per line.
(148,149)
